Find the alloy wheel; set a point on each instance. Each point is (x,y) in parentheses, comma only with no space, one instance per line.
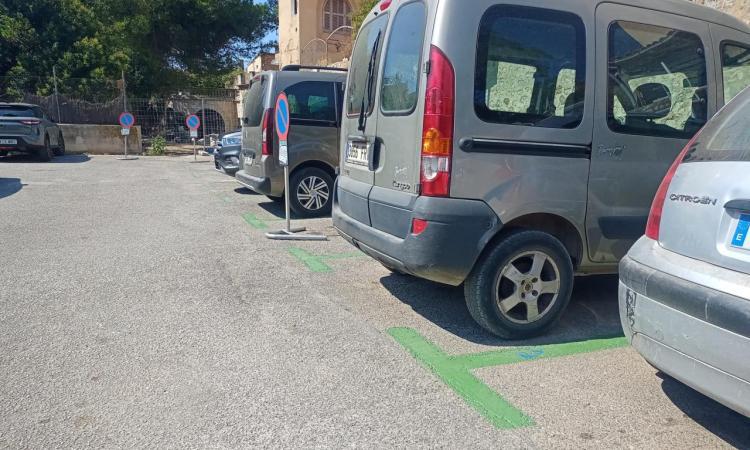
(527,287)
(313,193)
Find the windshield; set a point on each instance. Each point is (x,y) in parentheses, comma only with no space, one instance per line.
(361,58)
(727,136)
(16,111)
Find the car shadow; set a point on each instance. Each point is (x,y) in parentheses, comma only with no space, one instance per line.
(726,424)
(9,186)
(245,191)
(277,209)
(66,159)
(593,311)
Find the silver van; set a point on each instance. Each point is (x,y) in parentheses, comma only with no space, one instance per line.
(315,100)
(511,145)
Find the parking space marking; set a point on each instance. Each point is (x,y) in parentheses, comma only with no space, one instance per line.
(257,222)
(456,370)
(316,263)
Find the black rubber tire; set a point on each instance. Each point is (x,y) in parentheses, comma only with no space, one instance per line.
(479,287)
(294,183)
(279,200)
(60,150)
(45,154)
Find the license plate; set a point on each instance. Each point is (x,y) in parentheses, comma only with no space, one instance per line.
(8,142)
(740,238)
(358,153)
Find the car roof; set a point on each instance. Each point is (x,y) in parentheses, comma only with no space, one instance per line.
(306,75)
(679,7)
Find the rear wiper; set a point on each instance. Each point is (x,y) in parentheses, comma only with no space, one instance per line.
(368,84)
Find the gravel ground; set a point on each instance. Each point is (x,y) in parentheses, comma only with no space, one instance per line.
(143,307)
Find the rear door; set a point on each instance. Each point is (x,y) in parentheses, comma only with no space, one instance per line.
(254,108)
(706,212)
(399,117)
(655,89)
(360,125)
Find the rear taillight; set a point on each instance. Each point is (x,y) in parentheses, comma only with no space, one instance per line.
(657,207)
(385,4)
(31,122)
(437,128)
(267,133)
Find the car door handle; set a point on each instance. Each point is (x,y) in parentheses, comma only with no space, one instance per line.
(738,205)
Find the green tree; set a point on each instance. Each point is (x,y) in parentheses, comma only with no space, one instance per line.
(160,44)
(359,15)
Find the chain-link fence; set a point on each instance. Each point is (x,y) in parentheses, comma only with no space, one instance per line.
(100,102)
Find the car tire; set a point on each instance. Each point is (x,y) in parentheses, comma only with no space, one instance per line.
(45,153)
(311,192)
(60,150)
(521,287)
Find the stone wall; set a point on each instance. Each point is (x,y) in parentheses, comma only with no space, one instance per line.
(100,139)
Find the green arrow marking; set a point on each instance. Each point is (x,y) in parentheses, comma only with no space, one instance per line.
(455,371)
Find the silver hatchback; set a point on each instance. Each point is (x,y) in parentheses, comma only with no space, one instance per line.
(685,286)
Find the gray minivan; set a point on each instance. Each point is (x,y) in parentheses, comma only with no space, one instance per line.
(511,145)
(315,100)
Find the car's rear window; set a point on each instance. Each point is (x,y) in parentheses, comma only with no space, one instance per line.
(254,102)
(312,100)
(727,135)
(16,111)
(370,34)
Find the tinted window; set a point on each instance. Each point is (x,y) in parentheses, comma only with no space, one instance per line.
(727,136)
(401,69)
(254,102)
(531,67)
(657,81)
(312,100)
(18,111)
(736,68)
(362,57)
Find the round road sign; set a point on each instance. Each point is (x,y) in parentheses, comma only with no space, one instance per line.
(193,122)
(282,117)
(127,120)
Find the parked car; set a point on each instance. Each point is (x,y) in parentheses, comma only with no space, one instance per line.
(220,141)
(227,153)
(685,286)
(315,100)
(509,147)
(26,128)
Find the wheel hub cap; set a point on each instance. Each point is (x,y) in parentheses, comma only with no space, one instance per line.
(527,287)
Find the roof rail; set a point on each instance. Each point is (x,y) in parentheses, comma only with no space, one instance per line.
(298,67)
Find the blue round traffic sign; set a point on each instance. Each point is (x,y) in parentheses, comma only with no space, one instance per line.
(282,117)
(127,120)
(193,122)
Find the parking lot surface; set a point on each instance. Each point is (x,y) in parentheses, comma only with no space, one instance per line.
(143,306)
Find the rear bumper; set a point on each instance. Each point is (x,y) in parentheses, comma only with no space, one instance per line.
(695,334)
(24,145)
(259,185)
(445,252)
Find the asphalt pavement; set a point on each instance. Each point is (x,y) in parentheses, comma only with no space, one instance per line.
(142,306)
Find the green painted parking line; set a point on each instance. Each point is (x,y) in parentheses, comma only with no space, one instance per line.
(455,371)
(316,263)
(257,222)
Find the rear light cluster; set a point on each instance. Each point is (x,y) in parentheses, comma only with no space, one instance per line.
(657,207)
(385,4)
(267,133)
(437,129)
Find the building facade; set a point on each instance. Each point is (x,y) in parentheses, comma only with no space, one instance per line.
(315,32)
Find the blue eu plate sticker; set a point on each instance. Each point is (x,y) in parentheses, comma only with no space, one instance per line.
(740,236)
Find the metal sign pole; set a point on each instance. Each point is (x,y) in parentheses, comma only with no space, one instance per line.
(282,122)
(126,146)
(195,151)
